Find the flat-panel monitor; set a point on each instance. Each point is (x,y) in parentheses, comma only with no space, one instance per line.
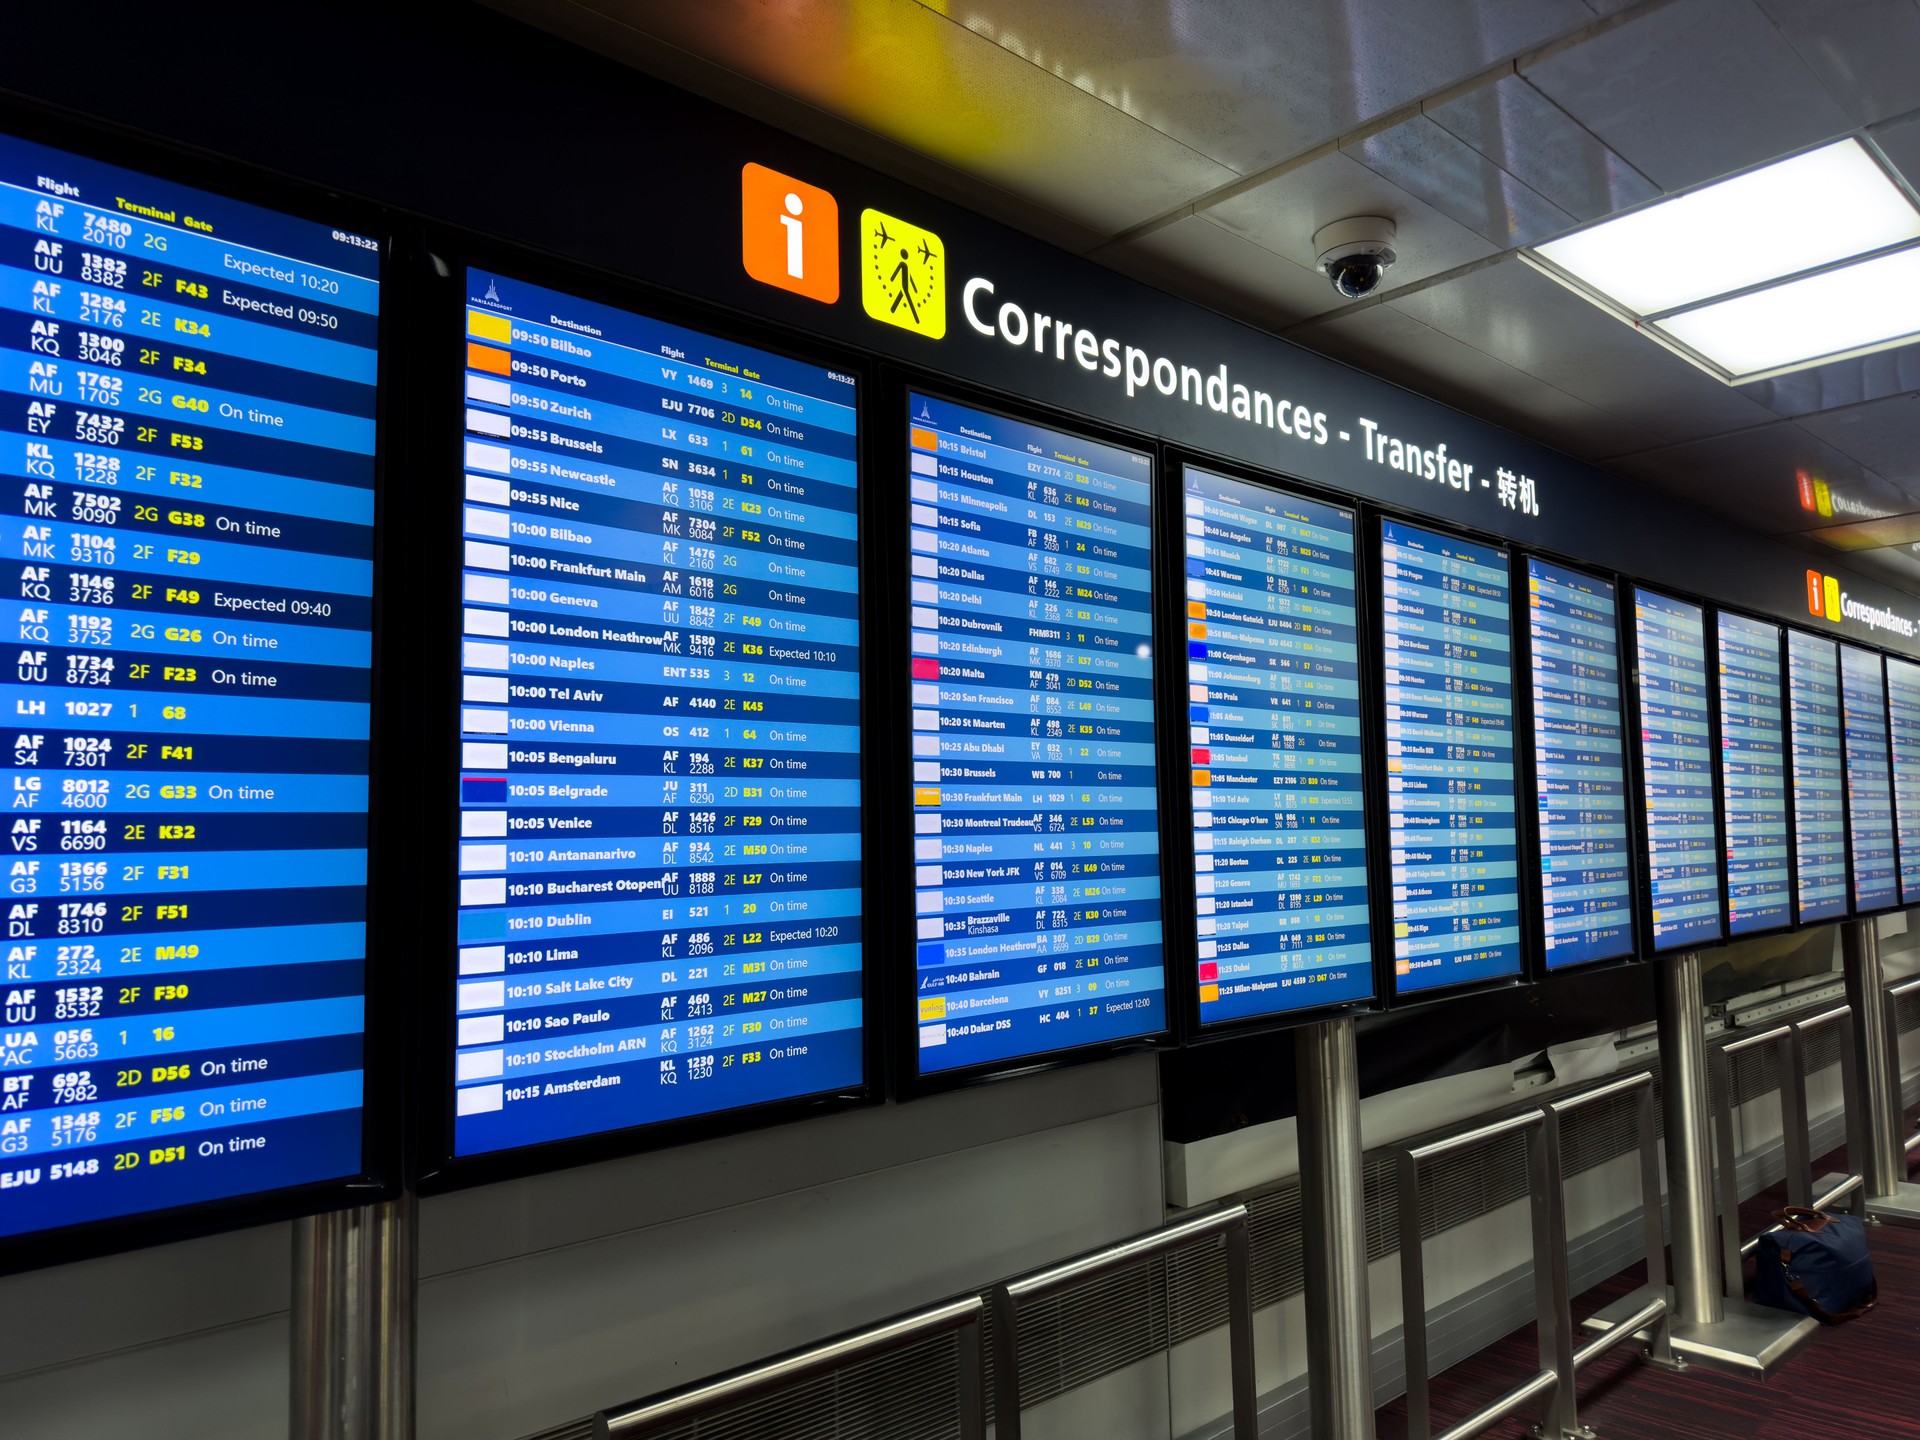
(1903,714)
(659,787)
(1447,659)
(1585,873)
(1753,775)
(192,536)
(1035,808)
(1819,779)
(1273,710)
(1863,704)
(1676,770)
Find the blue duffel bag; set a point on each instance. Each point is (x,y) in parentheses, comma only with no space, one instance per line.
(1817,1265)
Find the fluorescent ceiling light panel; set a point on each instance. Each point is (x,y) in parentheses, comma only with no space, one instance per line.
(1858,307)
(1826,205)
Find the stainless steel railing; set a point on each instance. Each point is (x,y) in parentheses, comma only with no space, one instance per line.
(1228,1222)
(1413,1277)
(1653,1238)
(1553,1384)
(1897,993)
(963,1316)
(1790,1044)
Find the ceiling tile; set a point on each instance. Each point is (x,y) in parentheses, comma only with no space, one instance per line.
(1384,342)
(1901,144)
(1282,214)
(1527,135)
(1199,259)
(1884,436)
(1864,50)
(1754,477)
(1515,314)
(915,77)
(1692,90)
(1251,83)
(1871,534)
(1840,382)
(1897,565)
(1440,168)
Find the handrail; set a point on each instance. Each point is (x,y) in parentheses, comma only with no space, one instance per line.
(1095,1263)
(1555,1375)
(1227,1221)
(1656,1313)
(703,1397)
(1899,991)
(1789,1038)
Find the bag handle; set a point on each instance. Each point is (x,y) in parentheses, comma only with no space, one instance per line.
(1800,1218)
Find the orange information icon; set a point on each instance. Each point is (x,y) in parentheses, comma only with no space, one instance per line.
(790,233)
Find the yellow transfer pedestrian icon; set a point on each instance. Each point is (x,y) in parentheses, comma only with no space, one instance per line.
(903,274)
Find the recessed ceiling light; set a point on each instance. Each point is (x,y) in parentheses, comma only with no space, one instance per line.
(1858,307)
(1678,268)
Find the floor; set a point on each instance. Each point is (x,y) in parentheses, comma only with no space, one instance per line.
(1859,1381)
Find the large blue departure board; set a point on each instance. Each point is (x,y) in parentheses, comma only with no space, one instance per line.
(660,868)
(1753,775)
(1579,766)
(193,387)
(1279,813)
(1676,770)
(1903,714)
(1863,704)
(1819,784)
(1447,631)
(1035,812)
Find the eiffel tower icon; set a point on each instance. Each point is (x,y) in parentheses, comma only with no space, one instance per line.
(493,295)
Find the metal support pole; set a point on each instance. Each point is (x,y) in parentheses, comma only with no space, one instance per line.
(353,1323)
(1334,1225)
(1716,1329)
(1882,1160)
(1552,1279)
(1683,1061)
(1246,1389)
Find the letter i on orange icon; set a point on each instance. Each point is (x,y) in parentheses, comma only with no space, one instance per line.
(790,234)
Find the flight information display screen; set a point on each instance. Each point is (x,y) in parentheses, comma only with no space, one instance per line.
(1819,783)
(1279,814)
(1876,883)
(1035,812)
(660,868)
(1903,713)
(1447,630)
(1753,775)
(1579,766)
(1676,770)
(191,534)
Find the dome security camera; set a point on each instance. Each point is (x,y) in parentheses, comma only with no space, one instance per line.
(1355,254)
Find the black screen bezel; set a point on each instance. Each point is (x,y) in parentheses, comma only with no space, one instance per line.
(1536,910)
(387,920)
(1846,829)
(1645,856)
(899,384)
(1719,759)
(441,343)
(1887,661)
(1860,911)
(1385,977)
(1193,1031)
